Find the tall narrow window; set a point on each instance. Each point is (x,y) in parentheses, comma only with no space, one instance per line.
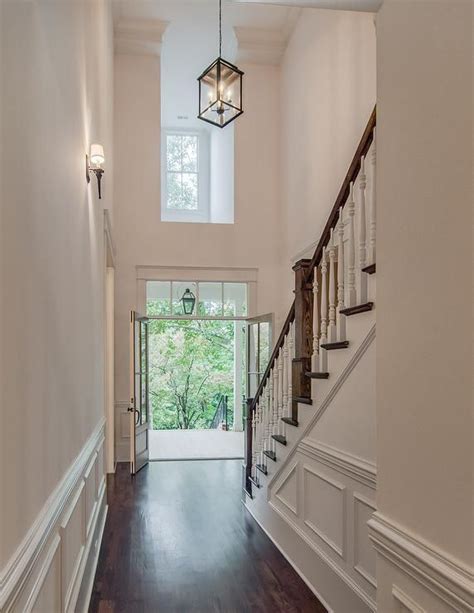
(185,195)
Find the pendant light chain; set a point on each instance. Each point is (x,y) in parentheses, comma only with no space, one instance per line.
(220,28)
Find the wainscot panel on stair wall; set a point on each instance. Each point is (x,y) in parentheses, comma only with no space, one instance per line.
(53,569)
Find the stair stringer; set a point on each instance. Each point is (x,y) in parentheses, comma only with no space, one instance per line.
(340,573)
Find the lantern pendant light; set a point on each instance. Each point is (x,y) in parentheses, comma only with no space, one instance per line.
(220,89)
(189,300)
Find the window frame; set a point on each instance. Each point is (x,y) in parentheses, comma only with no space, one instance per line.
(202,213)
(196,291)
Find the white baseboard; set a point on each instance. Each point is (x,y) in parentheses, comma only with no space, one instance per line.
(447,579)
(48,565)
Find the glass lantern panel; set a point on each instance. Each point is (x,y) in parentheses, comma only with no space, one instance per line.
(210,299)
(235,299)
(178,289)
(158,298)
(208,84)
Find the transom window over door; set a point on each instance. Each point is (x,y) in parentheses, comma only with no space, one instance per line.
(213,299)
(185,193)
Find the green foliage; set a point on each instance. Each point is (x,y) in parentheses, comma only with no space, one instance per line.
(191,365)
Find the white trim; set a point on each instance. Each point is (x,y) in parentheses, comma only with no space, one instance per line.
(17,570)
(406,601)
(109,239)
(202,214)
(449,579)
(291,563)
(286,503)
(341,488)
(366,599)
(358,498)
(342,462)
(196,273)
(32,598)
(95,561)
(139,36)
(359,353)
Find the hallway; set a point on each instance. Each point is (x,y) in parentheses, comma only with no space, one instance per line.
(178,539)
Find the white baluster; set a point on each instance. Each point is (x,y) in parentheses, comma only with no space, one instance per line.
(341,319)
(332,331)
(351,289)
(281,362)
(324,311)
(362,234)
(265,421)
(285,384)
(254,443)
(315,357)
(276,394)
(373,208)
(290,370)
(268,425)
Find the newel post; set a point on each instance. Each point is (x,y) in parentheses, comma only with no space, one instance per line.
(248,444)
(303,334)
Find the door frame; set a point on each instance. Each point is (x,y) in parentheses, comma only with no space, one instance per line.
(109,342)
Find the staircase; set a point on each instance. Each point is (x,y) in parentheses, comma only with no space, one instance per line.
(310,472)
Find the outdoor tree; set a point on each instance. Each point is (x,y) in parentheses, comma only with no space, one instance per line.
(191,366)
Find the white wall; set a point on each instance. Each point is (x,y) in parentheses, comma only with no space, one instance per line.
(142,239)
(327,96)
(56,98)
(424,270)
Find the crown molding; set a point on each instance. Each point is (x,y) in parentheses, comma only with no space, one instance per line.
(264,45)
(139,36)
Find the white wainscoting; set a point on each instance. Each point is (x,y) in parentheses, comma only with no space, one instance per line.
(327,496)
(53,568)
(419,576)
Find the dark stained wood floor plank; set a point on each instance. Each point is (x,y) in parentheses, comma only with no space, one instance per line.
(178,539)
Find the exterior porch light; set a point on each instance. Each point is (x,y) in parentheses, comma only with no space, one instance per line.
(188,300)
(220,89)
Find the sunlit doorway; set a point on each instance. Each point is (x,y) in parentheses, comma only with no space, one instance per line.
(196,370)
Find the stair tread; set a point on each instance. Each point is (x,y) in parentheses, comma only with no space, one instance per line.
(303,399)
(279,438)
(370,269)
(262,468)
(254,481)
(270,454)
(359,308)
(317,375)
(248,492)
(290,421)
(336,345)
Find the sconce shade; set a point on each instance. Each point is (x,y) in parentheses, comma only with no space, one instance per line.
(220,93)
(97,154)
(188,300)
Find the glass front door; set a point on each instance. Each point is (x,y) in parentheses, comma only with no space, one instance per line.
(139,397)
(259,345)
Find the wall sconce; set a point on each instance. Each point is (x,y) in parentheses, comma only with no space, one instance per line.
(96,160)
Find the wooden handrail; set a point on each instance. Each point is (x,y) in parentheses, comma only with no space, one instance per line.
(351,176)
(343,194)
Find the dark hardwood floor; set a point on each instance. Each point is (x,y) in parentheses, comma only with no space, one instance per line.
(178,539)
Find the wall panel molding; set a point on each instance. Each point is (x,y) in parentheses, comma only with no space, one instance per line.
(340,461)
(340,572)
(449,580)
(59,540)
(337,541)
